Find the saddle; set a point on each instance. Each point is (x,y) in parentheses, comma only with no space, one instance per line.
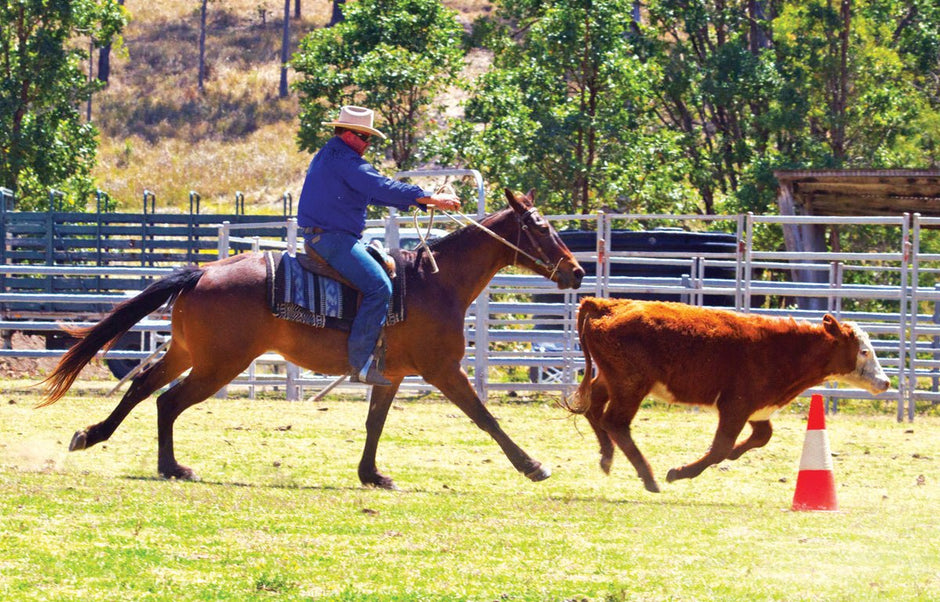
(306,290)
(314,263)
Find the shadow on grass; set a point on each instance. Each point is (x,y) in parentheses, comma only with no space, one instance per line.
(658,500)
(241,484)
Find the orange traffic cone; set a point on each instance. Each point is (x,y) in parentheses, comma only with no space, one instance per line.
(815,488)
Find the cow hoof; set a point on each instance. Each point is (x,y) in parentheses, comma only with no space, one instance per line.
(540,473)
(606,463)
(79,441)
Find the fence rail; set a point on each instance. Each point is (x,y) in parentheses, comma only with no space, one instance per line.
(521,331)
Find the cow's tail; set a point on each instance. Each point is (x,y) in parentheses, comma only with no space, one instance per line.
(107,332)
(580,401)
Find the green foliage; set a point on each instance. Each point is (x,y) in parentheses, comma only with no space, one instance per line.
(565,110)
(695,106)
(44,143)
(393,57)
(849,85)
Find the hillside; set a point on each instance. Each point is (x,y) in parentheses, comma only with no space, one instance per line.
(159,133)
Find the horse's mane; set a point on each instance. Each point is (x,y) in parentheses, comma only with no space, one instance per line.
(466,228)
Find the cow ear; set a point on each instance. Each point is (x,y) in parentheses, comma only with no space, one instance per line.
(831,325)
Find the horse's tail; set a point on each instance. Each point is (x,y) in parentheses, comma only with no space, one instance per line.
(580,402)
(107,332)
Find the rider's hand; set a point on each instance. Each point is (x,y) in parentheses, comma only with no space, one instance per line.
(442,200)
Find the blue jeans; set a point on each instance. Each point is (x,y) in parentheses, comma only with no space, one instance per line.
(348,256)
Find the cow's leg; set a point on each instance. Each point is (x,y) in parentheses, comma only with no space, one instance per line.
(729,427)
(594,417)
(455,385)
(761,430)
(380,400)
(616,421)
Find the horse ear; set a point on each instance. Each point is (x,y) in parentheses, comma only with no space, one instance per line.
(531,195)
(831,325)
(515,201)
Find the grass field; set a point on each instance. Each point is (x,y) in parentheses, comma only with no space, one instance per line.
(280,515)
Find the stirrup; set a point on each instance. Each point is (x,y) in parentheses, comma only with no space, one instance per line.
(369,375)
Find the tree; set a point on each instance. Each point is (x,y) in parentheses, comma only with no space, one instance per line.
(856,92)
(285,49)
(104,59)
(393,56)
(43,142)
(204,8)
(565,109)
(719,79)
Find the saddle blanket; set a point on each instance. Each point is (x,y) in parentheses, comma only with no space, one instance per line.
(300,296)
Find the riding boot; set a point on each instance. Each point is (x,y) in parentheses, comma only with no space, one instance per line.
(369,374)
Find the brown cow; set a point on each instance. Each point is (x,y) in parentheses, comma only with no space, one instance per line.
(744,366)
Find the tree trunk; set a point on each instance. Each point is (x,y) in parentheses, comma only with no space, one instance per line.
(296,9)
(104,59)
(840,102)
(337,16)
(285,45)
(202,46)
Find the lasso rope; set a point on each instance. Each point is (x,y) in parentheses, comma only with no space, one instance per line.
(447,188)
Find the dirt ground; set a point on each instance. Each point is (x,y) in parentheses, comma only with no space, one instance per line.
(26,367)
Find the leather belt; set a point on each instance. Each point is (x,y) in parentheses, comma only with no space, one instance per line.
(311,230)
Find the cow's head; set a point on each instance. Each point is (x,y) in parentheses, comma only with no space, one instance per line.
(858,357)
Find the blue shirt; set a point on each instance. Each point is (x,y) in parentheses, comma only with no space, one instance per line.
(340,185)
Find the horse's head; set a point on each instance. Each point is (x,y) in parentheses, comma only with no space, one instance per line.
(546,253)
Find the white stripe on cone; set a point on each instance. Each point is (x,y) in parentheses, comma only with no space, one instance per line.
(816,454)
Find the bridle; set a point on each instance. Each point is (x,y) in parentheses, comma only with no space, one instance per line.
(526,220)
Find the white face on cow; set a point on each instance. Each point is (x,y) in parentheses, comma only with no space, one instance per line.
(868,373)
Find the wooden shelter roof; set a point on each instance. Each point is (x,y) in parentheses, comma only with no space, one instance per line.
(860,192)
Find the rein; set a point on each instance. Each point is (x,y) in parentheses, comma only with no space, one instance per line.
(543,263)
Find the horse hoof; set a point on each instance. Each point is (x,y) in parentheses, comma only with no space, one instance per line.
(380,482)
(540,473)
(672,475)
(79,441)
(652,487)
(606,463)
(181,473)
(384,483)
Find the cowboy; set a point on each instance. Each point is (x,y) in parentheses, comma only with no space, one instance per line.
(331,214)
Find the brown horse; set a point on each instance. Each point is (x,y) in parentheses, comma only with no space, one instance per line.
(221,322)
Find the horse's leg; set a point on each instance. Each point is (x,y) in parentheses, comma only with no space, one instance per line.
(171,365)
(455,385)
(761,430)
(616,421)
(729,427)
(193,389)
(380,401)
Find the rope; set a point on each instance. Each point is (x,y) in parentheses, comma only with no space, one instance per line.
(447,188)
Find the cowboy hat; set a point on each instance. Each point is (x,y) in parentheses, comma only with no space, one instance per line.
(356,118)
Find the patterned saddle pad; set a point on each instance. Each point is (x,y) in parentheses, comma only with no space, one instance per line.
(300,296)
